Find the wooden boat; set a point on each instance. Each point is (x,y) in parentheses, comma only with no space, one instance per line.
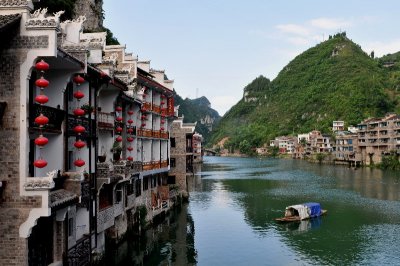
(299,212)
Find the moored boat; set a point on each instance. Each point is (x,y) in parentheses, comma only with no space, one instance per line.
(301,212)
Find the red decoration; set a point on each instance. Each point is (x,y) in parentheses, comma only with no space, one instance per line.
(144,95)
(40,163)
(79,163)
(162,121)
(119,129)
(162,102)
(79,112)
(78,79)
(130,139)
(118,139)
(42,66)
(103,74)
(79,129)
(118,108)
(129,130)
(130,112)
(130,148)
(41,141)
(119,118)
(42,99)
(143,117)
(43,83)
(130,158)
(130,121)
(79,144)
(79,95)
(162,128)
(41,120)
(143,125)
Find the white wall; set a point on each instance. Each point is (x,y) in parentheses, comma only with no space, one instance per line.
(82,223)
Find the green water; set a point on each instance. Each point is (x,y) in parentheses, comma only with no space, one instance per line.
(233,203)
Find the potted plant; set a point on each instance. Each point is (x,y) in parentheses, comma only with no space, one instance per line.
(88,108)
(103,156)
(116,150)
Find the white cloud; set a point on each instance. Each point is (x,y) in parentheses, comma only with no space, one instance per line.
(382,48)
(330,23)
(293,29)
(223,103)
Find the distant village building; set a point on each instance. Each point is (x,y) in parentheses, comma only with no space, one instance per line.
(346,148)
(284,143)
(338,126)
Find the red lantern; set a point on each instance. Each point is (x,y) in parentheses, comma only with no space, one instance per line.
(79,144)
(42,66)
(78,79)
(41,120)
(41,141)
(143,125)
(43,83)
(79,95)
(118,139)
(119,118)
(42,99)
(119,129)
(130,158)
(143,117)
(162,102)
(129,130)
(130,121)
(79,129)
(79,163)
(162,121)
(118,109)
(130,112)
(162,128)
(130,148)
(130,139)
(40,163)
(79,112)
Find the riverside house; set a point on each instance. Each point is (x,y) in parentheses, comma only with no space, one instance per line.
(85,131)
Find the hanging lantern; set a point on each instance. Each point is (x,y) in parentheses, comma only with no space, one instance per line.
(42,99)
(129,130)
(40,163)
(119,118)
(42,83)
(118,139)
(143,125)
(130,139)
(79,163)
(119,129)
(130,158)
(143,117)
(79,129)
(118,109)
(162,121)
(130,121)
(79,112)
(78,79)
(130,148)
(42,66)
(130,112)
(79,95)
(41,120)
(162,102)
(79,144)
(41,141)
(162,128)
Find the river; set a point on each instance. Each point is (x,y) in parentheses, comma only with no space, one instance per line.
(233,203)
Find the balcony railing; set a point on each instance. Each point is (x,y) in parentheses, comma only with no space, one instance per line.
(146,106)
(156,109)
(164,135)
(156,134)
(83,121)
(55,116)
(105,120)
(164,163)
(80,253)
(145,132)
(147,166)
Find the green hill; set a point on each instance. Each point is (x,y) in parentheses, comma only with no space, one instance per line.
(198,110)
(335,80)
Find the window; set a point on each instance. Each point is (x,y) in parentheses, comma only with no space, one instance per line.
(130,188)
(70,226)
(172,140)
(171,180)
(145,183)
(138,187)
(173,162)
(118,196)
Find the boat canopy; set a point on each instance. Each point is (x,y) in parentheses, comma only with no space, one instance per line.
(305,210)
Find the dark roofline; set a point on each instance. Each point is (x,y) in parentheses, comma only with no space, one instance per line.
(151,83)
(143,72)
(14,19)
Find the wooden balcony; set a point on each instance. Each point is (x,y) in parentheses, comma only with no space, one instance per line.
(55,116)
(105,121)
(146,107)
(145,133)
(155,164)
(164,135)
(83,121)
(164,163)
(147,166)
(156,134)
(156,109)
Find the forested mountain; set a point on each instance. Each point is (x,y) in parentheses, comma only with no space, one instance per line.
(198,110)
(335,80)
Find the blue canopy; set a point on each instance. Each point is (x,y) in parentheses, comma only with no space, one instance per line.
(314,208)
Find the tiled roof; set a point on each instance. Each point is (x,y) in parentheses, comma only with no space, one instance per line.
(62,196)
(8,20)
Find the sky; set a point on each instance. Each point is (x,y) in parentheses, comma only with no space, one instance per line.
(214,48)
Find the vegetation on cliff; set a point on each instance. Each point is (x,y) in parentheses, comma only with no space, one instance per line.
(335,80)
